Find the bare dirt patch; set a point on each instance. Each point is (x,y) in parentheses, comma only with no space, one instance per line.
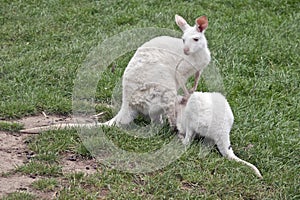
(13,183)
(14,153)
(73,164)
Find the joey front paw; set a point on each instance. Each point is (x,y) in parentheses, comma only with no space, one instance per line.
(191,91)
(185,99)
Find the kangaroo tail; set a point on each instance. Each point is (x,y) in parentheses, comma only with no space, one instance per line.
(118,119)
(57,127)
(256,171)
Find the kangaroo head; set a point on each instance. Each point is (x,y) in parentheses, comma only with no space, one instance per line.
(193,36)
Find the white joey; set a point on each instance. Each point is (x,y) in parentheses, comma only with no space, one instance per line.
(209,115)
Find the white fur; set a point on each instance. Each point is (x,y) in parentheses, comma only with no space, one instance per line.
(209,115)
(157,70)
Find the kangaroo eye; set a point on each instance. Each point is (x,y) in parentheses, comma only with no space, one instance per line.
(183,40)
(196,39)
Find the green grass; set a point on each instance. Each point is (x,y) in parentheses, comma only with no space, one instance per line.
(51,144)
(20,196)
(39,168)
(11,127)
(45,184)
(254,45)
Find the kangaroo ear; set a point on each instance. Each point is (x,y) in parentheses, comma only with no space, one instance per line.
(201,23)
(183,25)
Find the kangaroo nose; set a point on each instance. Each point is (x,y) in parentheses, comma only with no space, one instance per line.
(186,50)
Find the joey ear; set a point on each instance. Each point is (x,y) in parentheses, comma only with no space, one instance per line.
(201,23)
(183,25)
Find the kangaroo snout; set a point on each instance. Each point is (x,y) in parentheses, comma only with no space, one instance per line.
(186,50)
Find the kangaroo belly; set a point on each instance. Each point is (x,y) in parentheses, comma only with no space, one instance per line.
(149,81)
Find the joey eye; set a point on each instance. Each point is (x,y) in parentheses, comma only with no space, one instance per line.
(196,39)
(183,40)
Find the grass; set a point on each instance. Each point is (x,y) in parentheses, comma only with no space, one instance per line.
(254,45)
(20,196)
(40,168)
(45,184)
(11,127)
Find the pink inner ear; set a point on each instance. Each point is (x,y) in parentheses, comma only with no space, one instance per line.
(202,23)
(180,21)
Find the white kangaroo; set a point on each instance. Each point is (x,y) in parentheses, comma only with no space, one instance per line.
(209,115)
(156,71)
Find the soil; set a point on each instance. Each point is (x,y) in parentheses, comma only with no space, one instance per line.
(14,153)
